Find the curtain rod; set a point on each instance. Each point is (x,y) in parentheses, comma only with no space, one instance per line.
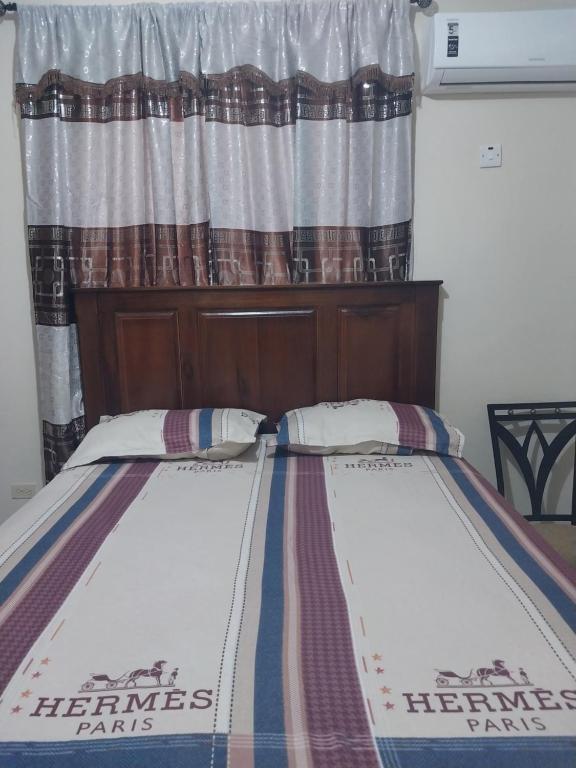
(12,7)
(6,7)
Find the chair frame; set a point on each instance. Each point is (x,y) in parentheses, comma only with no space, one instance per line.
(536,479)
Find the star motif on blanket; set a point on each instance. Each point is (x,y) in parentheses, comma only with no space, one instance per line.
(379,670)
(45,661)
(37,674)
(16,709)
(384,689)
(389,705)
(26,693)
(377,656)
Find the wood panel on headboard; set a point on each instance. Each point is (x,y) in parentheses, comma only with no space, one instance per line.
(269,349)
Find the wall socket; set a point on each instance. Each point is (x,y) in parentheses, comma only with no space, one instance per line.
(22,491)
(490,155)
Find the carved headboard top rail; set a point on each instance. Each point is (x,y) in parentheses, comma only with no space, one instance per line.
(269,349)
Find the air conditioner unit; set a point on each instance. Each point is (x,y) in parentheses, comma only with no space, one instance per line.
(503,52)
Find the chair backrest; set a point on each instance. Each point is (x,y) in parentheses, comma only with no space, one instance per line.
(503,417)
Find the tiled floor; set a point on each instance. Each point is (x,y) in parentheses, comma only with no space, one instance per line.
(562,536)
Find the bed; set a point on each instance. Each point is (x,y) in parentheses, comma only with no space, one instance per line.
(278,608)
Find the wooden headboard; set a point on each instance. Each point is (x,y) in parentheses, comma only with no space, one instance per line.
(269,349)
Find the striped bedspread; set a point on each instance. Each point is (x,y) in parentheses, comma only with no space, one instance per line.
(283,611)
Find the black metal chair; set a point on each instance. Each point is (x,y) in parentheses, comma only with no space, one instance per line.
(503,417)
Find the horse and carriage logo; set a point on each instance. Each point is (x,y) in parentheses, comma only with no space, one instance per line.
(135,678)
(497,674)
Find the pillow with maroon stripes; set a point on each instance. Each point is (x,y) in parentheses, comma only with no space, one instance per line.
(203,433)
(368,426)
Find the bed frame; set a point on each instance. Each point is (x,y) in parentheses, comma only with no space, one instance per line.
(269,349)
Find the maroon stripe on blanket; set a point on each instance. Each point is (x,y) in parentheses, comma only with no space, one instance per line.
(333,696)
(176,432)
(37,608)
(411,428)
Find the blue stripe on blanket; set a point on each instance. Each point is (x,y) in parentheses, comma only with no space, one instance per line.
(268,683)
(529,565)
(21,570)
(175,751)
(283,437)
(477,752)
(194,751)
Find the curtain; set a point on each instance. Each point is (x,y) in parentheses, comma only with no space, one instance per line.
(207,144)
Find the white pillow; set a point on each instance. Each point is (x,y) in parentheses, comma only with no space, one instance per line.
(206,433)
(368,426)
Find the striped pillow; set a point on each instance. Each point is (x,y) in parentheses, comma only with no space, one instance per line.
(368,426)
(206,433)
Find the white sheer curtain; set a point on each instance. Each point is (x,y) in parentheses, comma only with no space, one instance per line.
(209,143)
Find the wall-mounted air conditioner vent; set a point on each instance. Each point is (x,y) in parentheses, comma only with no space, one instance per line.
(511,51)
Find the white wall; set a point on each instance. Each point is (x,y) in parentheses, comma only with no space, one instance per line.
(20,452)
(503,240)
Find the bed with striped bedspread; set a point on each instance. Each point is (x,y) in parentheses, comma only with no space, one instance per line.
(282,610)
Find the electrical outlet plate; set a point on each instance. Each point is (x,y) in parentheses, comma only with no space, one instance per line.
(490,155)
(23,490)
